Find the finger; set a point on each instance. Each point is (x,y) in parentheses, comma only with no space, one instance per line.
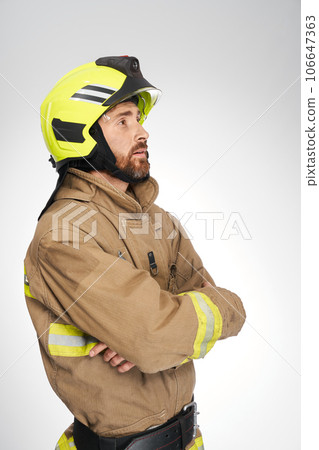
(116,360)
(98,348)
(125,367)
(109,354)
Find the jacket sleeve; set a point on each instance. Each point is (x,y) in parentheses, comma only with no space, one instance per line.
(108,298)
(215,306)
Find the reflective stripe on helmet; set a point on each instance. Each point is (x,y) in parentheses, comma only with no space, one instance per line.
(209,324)
(65,444)
(93,93)
(67,340)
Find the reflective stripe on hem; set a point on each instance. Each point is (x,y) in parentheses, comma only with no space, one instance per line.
(199,445)
(65,444)
(67,340)
(26,285)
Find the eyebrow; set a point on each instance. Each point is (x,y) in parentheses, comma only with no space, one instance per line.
(125,113)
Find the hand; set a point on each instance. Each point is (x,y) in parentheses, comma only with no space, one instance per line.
(206,284)
(112,357)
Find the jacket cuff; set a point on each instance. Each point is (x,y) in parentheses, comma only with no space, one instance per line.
(210,324)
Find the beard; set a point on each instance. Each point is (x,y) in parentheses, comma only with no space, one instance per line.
(135,167)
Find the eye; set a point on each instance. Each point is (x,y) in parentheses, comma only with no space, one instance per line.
(122,122)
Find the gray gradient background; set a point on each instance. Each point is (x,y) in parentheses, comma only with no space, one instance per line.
(220,65)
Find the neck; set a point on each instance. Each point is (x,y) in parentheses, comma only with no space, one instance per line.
(116,182)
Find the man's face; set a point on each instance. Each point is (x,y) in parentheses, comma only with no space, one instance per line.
(127,139)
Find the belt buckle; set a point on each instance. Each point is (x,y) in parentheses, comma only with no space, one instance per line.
(195,416)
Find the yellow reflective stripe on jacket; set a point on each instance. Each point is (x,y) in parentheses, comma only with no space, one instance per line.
(26,285)
(67,340)
(65,444)
(209,323)
(199,445)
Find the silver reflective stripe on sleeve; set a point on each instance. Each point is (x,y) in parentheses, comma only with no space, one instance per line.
(209,325)
(71,341)
(67,340)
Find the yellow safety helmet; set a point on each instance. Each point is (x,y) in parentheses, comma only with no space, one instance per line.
(70,112)
(82,96)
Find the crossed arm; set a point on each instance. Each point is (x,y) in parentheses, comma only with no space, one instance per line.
(114,358)
(159,316)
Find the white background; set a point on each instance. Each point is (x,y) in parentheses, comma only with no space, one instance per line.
(220,65)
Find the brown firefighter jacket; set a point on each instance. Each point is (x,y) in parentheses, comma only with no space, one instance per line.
(89,276)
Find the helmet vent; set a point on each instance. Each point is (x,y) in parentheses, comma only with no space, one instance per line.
(68,131)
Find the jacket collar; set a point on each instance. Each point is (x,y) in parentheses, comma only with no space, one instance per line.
(80,185)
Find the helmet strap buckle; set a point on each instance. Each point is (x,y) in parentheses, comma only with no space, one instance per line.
(51,160)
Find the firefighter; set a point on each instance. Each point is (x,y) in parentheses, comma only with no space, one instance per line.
(119,298)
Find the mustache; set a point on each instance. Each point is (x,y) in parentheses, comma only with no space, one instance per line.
(138,146)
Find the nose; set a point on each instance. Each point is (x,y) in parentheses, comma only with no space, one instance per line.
(141,133)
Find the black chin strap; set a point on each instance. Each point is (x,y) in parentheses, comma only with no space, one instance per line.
(102,158)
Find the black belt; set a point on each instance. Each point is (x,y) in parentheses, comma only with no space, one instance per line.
(175,434)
